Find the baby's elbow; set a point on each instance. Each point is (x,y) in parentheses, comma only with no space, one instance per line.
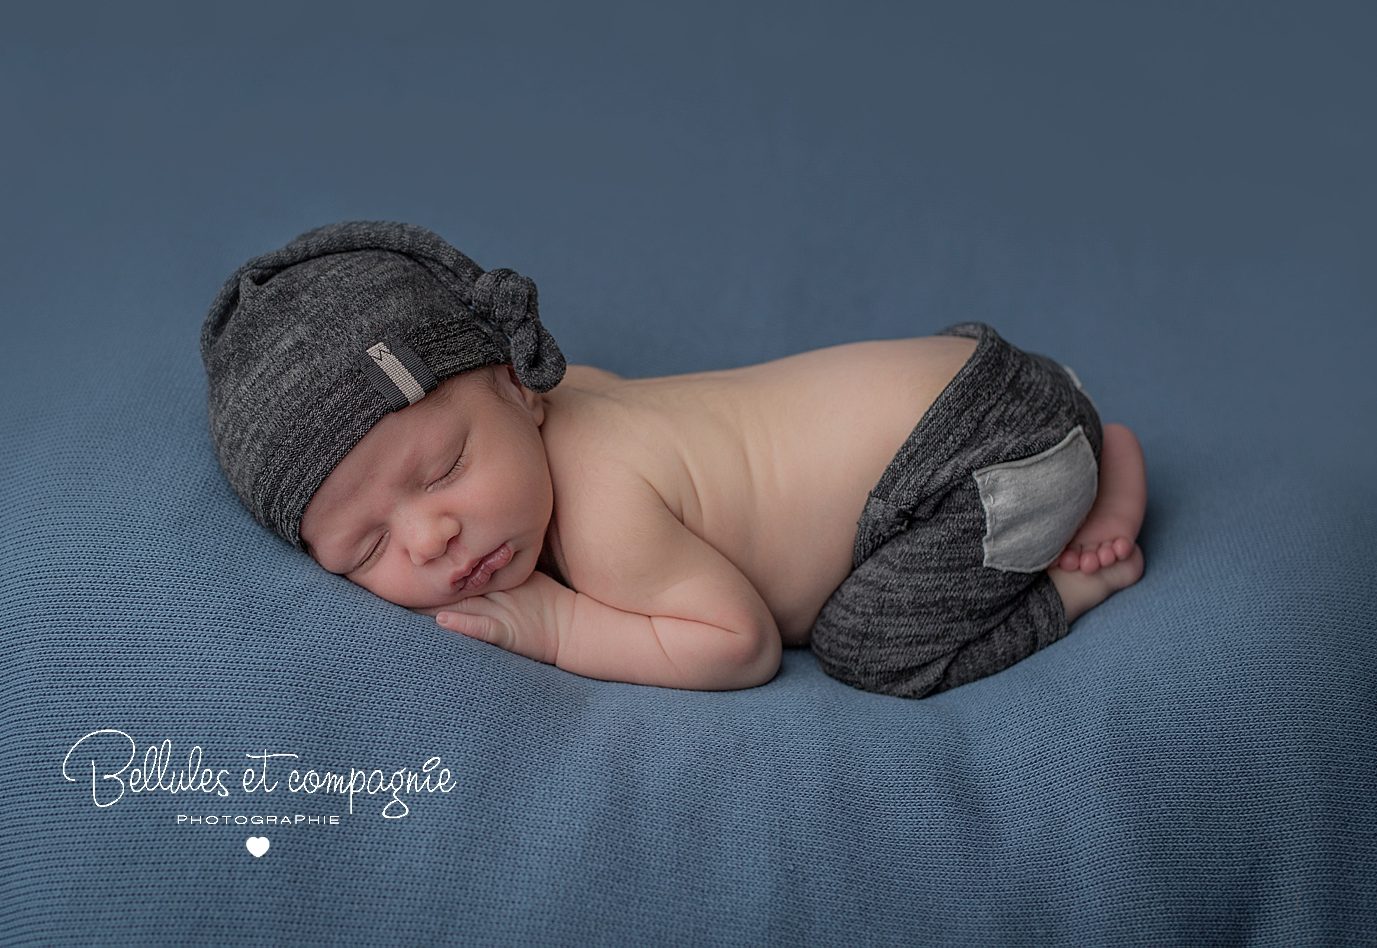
(762,659)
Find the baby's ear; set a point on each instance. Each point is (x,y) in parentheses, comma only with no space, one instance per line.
(504,377)
(493,376)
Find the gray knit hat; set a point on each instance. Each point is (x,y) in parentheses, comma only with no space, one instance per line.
(308,346)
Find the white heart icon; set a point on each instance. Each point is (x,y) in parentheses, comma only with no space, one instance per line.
(258,845)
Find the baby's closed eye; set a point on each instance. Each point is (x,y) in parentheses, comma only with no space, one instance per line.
(454,469)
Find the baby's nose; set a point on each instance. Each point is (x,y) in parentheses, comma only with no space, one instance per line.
(435,542)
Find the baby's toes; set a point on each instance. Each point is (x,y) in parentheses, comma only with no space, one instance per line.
(1107,553)
(1123,547)
(1070,559)
(1090,561)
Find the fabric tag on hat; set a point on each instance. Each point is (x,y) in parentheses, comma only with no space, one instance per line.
(397,373)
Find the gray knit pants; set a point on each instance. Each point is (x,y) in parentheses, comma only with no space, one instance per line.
(948,580)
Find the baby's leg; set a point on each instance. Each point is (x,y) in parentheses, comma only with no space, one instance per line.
(1107,536)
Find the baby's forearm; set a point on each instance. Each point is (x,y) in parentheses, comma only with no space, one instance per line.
(600,641)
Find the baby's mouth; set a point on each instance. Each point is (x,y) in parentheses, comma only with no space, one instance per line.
(488,565)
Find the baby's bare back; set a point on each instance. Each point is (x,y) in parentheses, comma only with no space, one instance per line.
(770,463)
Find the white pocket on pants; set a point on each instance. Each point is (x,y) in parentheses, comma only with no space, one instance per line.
(1034,505)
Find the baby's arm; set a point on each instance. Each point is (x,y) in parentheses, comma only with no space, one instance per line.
(662,606)
(602,641)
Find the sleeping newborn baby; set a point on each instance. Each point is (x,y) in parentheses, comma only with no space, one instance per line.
(920,512)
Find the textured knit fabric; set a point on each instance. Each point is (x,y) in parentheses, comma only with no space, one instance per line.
(949,580)
(307,346)
(1194,763)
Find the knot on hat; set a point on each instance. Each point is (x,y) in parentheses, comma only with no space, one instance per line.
(508,300)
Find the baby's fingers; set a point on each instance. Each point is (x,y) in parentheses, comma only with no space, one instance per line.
(485,628)
(462,622)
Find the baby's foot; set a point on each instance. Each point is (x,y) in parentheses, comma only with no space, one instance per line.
(1081,592)
(1107,536)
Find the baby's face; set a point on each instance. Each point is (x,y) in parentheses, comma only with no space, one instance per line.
(399,517)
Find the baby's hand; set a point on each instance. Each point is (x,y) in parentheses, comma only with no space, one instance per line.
(524,619)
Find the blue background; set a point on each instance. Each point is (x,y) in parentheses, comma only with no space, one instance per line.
(1175,199)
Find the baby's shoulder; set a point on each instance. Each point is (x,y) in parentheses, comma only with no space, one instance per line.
(601,517)
(588,377)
